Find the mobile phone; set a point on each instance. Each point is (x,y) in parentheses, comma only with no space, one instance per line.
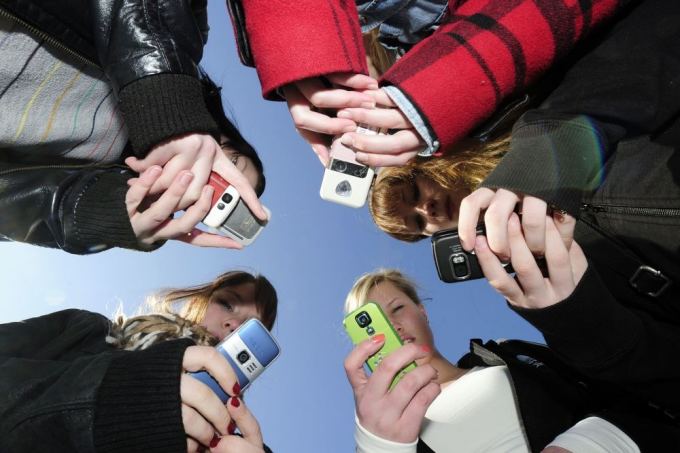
(346,181)
(368,320)
(229,215)
(453,262)
(250,349)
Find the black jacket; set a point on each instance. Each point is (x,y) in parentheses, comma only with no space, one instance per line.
(63,388)
(149,50)
(605,146)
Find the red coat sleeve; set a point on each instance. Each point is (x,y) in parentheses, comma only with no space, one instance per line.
(293,40)
(485,51)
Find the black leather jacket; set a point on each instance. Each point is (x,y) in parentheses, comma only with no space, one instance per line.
(149,50)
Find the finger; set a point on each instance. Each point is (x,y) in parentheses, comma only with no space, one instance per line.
(160,211)
(192,445)
(229,172)
(565,224)
(140,189)
(197,358)
(415,411)
(533,224)
(318,143)
(203,239)
(397,143)
(382,377)
(406,389)
(381,98)
(496,274)
(523,262)
(132,181)
(198,396)
(196,426)
(137,165)
(354,362)
(323,97)
(385,160)
(559,264)
(379,117)
(496,222)
(305,118)
(181,226)
(245,421)
(201,169)
(579,263)
(355,81)
(468,215)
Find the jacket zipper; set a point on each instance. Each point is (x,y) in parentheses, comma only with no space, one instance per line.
(64,167)
(47,38)
(652,212)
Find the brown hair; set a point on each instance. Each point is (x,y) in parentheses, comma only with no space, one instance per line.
(380,57)
(196,298)
(358,295)
(465,169)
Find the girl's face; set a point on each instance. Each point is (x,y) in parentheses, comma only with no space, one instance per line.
(244,164)
(425,207)
(228,308)
(408,318)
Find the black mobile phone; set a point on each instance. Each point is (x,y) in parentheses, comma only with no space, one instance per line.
(453,262)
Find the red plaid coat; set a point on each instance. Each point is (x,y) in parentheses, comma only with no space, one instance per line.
(485,51)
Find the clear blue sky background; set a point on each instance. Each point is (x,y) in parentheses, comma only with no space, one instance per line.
(312,251)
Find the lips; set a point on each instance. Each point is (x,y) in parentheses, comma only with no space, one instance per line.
(407,340)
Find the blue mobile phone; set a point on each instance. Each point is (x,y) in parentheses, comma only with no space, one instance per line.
(250,349)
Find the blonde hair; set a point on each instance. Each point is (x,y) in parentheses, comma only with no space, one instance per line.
(358,295)
(465,169)
(143,331)
(380,57)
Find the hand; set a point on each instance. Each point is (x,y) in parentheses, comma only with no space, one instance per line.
(203,413)
(308,95)
(389,150)
(499,205)
(394,414)
(566,265)
(251,442)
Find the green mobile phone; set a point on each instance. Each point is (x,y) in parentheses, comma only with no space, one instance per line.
(369,320)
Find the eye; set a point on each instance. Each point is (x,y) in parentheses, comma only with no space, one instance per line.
(234,159)
(225,304)
(397,308)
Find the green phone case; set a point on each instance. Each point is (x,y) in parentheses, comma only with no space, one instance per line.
(379,324)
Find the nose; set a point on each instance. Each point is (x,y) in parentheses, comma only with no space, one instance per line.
(232,324)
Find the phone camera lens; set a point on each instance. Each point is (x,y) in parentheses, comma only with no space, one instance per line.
(339,166)
(227,197)
(243,357)
(363,319)
(360,172)
(220,205)
(460,266)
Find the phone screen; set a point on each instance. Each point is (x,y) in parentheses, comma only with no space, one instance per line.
(242,222)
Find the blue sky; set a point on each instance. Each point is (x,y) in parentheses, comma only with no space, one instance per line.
(312,251)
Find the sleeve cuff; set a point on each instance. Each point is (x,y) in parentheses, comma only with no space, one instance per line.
(138,404)
(589,317)
(413,115)
(163,106)
(368,442)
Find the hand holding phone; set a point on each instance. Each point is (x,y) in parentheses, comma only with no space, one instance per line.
(229,214)
(346,181)
(250,349)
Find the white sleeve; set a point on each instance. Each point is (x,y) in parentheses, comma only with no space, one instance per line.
(368,442)
(595,435)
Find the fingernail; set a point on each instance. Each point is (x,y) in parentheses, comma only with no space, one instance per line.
(155,170)
(350,128)
(215,440)
(361,157)
(378,338)
(201,449)
(347,140)
(208,190)
(373,86)
(186,178)
(425,348)
(479,241)
(344,114)
(368,105)
(231,429)
(236,390)
(235,402)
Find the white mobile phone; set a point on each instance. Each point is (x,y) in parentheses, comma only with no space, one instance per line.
(230,216)
(346,181)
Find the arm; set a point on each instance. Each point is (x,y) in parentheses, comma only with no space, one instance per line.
(484,52)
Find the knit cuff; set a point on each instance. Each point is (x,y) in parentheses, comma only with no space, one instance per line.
(139,408)
(163,106)
(556,159)
(100,218)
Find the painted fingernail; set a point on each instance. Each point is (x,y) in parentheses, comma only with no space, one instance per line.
(379,338)
(201,449)
(425,348)
(215,440)
(231,429)
(235,402)
(236,390)
(186,178)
